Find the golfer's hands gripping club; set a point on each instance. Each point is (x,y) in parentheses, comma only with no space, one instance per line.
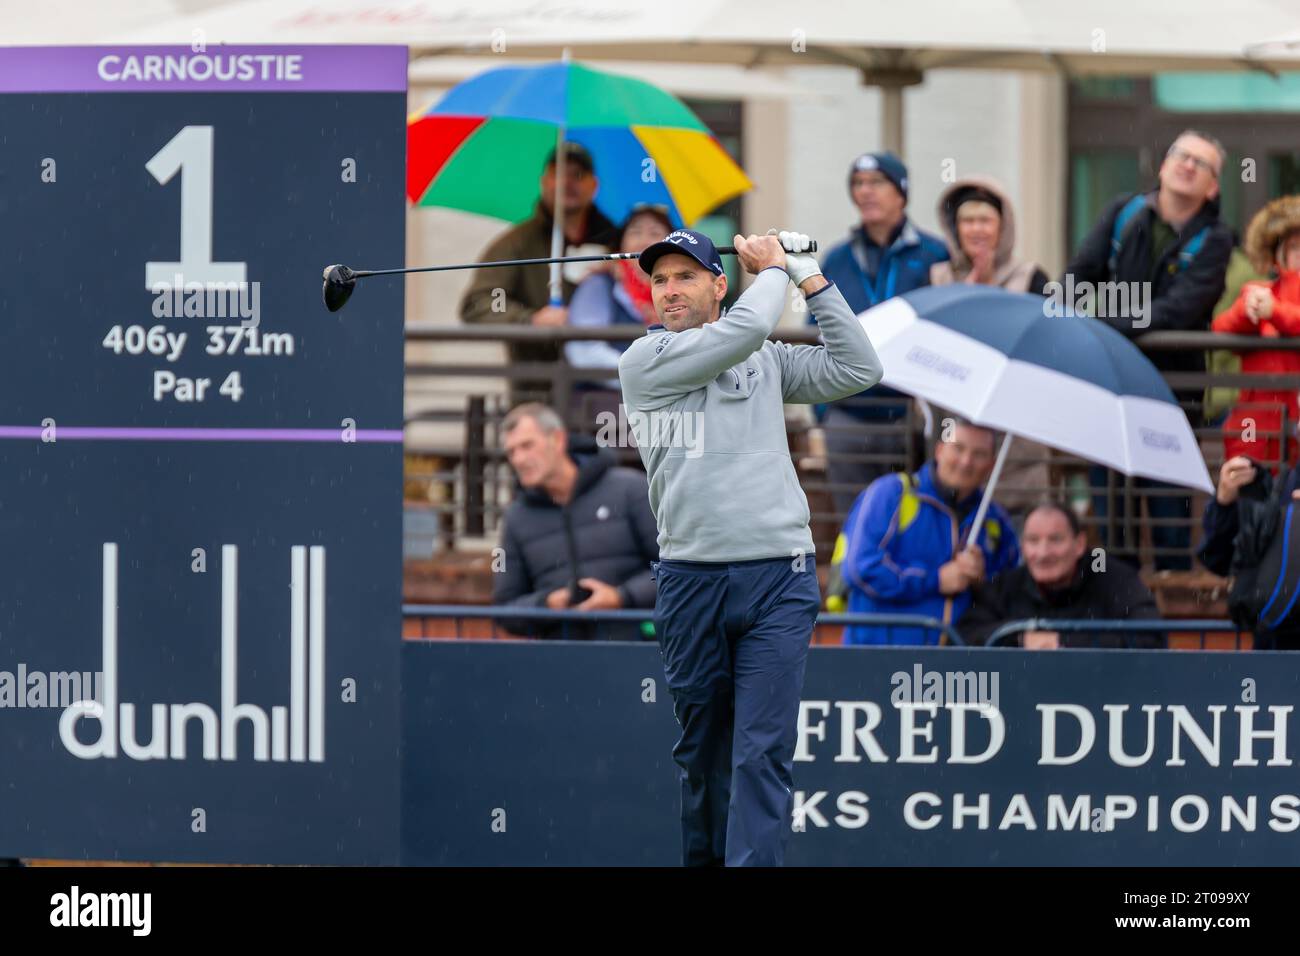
(785,250)
(799,262)
(757,253)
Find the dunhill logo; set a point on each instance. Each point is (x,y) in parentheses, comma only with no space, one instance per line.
(295,733)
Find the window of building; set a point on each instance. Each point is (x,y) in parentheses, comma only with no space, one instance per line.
(1120,127)
(1097,177)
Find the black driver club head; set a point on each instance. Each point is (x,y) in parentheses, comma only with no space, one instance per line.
(339,283)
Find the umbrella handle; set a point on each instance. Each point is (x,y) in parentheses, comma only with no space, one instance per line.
(989,488)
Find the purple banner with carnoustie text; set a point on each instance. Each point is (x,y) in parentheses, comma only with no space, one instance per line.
(217,69)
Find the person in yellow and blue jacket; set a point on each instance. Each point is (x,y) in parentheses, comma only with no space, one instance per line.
(903,548)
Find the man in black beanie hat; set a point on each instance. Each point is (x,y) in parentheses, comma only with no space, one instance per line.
(884,256)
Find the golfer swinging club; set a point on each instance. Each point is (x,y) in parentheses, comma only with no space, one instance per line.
(738,593)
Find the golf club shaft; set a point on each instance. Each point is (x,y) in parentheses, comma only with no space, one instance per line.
(362,273)
(607,257)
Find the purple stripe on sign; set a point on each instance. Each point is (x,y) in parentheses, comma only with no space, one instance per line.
(219,69)
(90,433)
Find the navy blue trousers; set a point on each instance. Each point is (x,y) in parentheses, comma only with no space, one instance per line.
(734,639)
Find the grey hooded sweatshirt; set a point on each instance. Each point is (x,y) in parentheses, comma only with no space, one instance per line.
(706,407)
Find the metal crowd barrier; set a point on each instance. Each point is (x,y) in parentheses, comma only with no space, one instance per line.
(1013,629)
(469,480)
(459,613)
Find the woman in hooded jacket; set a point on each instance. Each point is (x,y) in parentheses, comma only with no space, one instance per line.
(979,225)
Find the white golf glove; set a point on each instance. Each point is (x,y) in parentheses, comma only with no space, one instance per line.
(799,264)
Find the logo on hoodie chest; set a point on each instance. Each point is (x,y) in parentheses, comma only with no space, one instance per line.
(737,379)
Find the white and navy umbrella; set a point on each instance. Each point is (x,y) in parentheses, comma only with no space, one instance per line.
(1006,361)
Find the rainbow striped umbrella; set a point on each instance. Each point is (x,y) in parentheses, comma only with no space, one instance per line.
(481,147)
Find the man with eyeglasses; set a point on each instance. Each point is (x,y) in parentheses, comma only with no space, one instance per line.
(905,540)
(1170,251)
(521,294)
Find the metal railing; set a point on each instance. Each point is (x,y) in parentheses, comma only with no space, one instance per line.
(476,482)
(424,331)
(1127,630)
(566,618)
(586,625)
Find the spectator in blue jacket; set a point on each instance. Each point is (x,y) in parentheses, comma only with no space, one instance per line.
(884,256)
(905,540)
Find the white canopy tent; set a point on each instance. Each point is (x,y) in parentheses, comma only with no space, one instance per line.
(892,44)
(706,80)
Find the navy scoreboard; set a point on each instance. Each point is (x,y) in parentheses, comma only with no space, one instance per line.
(200,467)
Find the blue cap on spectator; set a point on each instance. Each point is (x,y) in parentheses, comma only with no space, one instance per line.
(687,242)
(889,166)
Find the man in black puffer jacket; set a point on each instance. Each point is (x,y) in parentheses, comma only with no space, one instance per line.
(1060,581)
(579,535)
(1164,255)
